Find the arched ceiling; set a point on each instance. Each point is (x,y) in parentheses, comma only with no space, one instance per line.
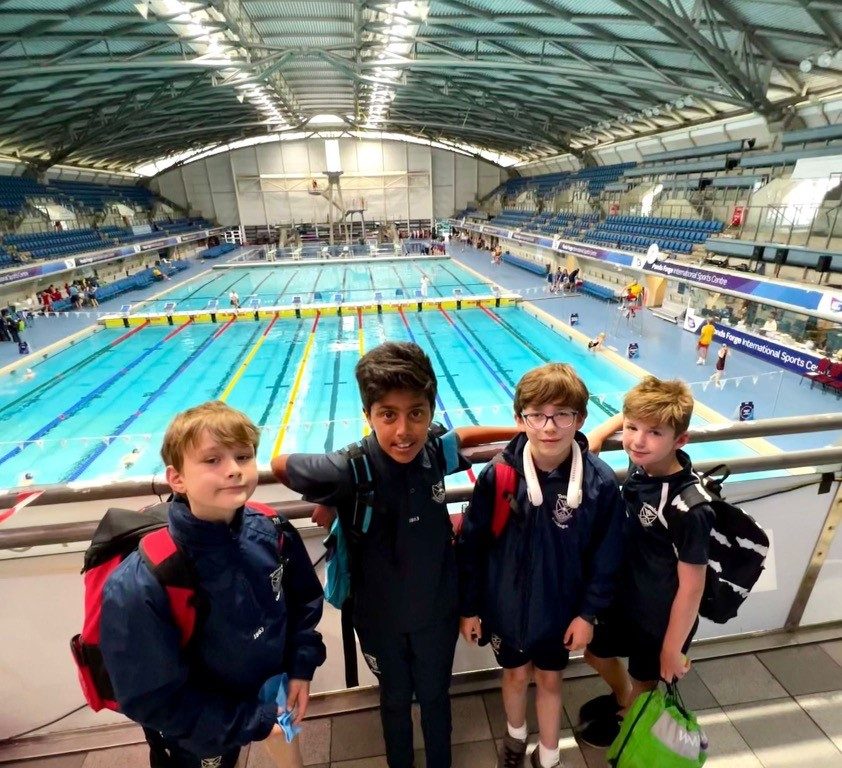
(116,83)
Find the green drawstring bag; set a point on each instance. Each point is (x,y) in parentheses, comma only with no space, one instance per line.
(659,732)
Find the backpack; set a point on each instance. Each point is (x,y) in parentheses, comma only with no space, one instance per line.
(119,533)
(337,545)
(505,486)
(737,550)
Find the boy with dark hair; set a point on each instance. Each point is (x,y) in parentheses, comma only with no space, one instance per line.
(656,611)
(534,589)
(403,570)
(198,705)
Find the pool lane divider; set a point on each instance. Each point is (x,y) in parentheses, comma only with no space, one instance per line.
(299,375)
(278,382)
(161,390)
(448,423)
(361,340)
(84,401)
(608,409)
(245,364)
(506,388)
(36,392)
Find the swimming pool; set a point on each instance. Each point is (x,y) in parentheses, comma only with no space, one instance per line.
(97,410)
(277,284)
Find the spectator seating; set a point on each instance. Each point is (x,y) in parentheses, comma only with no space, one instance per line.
(532,266)
(548,184)
(823,134)
(218,250)
(602,290)
(722,148)
(46,245)
(639,232)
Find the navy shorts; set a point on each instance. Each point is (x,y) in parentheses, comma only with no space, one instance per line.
(549,655)
(616,636)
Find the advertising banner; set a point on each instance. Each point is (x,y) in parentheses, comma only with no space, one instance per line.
(794,360)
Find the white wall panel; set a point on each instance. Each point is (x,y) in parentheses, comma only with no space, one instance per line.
(316,158)
(225,204)
(419,203)
(348,155)
(269,158)
(245,161)
(369,156)
(466,180)
(419,157)
(219,171)
(171,187)
(295,157)
(394,156)
(444,199)
(198,190)
(251,209)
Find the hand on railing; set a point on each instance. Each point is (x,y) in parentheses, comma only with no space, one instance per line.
(323,516)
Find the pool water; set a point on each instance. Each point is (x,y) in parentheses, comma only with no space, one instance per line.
(97,410)
(346,281)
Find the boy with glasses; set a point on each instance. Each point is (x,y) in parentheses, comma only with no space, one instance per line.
(533,586)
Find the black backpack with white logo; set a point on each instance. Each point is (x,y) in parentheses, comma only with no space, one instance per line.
(737,550)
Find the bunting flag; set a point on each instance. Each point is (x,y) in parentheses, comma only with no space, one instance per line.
(21,500)
(705,385)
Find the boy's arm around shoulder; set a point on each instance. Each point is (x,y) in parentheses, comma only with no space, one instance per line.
(599,434)
(472,543)
(321,478)
(150,674)
(477,435)
(304,602)
(606,540)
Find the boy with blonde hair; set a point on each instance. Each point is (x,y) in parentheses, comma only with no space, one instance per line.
(259,603)
(656,611)
(532,585)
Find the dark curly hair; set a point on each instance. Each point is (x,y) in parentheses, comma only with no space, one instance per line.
(395,365)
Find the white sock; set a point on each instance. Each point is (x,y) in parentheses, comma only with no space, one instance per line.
(517,733)
(547,757)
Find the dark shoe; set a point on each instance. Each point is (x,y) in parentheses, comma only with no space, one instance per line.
(599,708)
(535,759)
(600,733)
(512,754)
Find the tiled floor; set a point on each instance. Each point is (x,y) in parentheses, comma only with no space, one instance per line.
(773,709)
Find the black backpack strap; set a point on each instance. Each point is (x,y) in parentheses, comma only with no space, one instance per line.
(364,482)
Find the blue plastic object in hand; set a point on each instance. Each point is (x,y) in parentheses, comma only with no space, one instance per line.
(285,719)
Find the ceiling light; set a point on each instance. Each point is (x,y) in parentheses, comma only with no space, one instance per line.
(680,103)
(689,101)
(824,59)
(805,66)
(241,97)
(656,111)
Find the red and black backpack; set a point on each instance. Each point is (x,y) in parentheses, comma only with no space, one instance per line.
(505,487)
(119,533)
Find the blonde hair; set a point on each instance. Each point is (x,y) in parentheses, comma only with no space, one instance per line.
(551,383)
(227,425)
(660,402)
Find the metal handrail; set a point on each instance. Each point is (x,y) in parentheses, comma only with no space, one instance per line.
(788,425)
(827,459)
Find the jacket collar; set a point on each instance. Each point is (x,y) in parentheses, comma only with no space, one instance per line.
(188,530)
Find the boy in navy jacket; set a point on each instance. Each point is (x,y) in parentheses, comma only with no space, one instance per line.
(534,590)
(199,706)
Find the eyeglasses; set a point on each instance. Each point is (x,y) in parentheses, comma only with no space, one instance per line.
(562,419)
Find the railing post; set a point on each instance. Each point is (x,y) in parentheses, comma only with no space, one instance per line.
(817,560)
